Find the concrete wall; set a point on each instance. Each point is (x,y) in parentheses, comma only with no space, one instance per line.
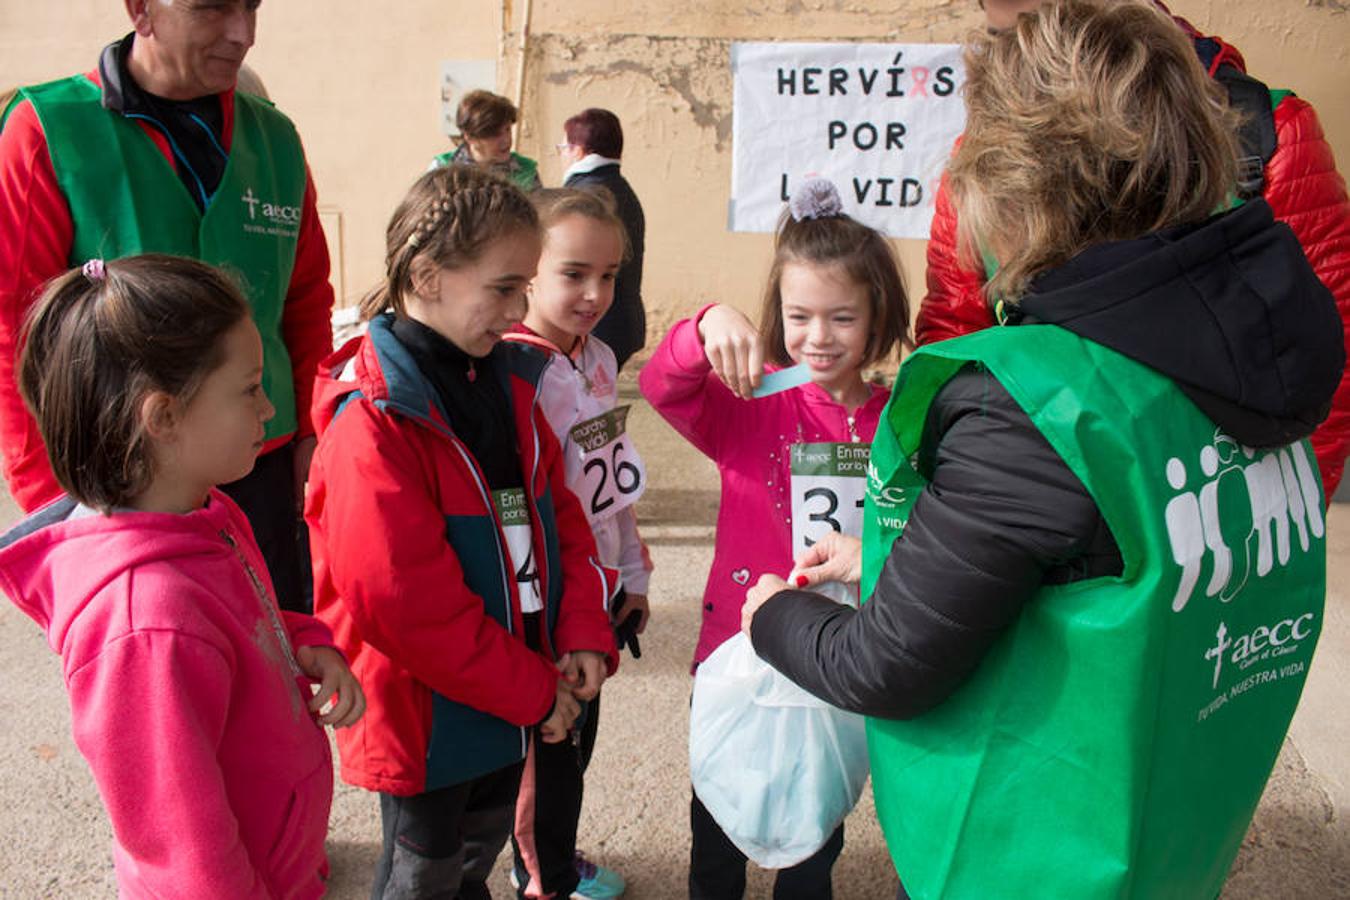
(361,81)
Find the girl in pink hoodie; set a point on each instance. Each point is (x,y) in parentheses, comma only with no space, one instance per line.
(190,690)
(791,462)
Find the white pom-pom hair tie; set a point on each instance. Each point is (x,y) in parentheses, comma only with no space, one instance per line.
(815,198)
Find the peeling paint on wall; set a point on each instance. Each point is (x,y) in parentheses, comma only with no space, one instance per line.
(371,120)
(694,70)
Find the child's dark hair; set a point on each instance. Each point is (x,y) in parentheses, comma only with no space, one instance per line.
(97,341)
(863,255)
(595,203)
(449,217)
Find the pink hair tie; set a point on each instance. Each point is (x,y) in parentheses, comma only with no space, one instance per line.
(93,270)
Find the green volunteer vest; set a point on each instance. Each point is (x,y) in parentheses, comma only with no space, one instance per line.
(125,198)
(520,171)
(1115,742)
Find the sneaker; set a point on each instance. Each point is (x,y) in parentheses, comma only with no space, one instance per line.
(597,882)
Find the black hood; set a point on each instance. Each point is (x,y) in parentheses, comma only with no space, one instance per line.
(1229,309)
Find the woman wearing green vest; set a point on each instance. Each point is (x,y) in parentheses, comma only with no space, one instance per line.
(484,120)
(1094,551)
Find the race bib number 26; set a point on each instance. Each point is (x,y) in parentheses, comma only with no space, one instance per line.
(829,482)
(613,476)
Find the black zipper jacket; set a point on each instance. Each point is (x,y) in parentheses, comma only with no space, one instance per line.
(1229,309)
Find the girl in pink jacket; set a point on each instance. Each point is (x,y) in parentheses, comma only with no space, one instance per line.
(190,691)
(793,462)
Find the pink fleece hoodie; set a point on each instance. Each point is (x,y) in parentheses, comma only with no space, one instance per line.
(750,441)
(185,697)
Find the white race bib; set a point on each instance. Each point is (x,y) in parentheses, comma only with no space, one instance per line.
(514,513)
(612,474)
(829,482)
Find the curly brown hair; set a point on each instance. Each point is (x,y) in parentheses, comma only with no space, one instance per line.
(1088,121)
(482,114)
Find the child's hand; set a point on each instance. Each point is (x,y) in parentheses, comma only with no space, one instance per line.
(336,683)
(584,672)
(733,348)
(766,587)
(554,729)
(835,557)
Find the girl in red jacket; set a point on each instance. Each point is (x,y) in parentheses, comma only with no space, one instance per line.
(188,687)
(456,569)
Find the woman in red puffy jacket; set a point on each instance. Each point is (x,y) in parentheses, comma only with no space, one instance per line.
(1300,183)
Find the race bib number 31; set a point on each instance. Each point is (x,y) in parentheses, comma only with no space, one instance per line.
(612,473)
(515,518)
(828,485)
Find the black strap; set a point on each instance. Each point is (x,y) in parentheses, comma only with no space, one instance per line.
(1256,132)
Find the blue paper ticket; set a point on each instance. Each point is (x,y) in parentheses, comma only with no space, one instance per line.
(783,380)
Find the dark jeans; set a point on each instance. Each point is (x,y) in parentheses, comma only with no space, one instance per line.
(442,844)
(544,844)
(267,497)
(717,868)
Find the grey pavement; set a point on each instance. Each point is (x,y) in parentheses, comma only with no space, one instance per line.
(55,840)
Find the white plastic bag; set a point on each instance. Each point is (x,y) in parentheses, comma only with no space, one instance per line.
(776,767)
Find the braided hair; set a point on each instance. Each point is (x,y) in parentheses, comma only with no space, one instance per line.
(449,216)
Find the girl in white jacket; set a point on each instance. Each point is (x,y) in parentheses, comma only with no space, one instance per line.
(584,245)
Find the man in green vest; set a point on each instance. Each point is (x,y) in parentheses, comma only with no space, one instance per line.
(1090,608)
(155,151)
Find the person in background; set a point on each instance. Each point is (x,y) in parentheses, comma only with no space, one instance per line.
(484,120)
(1289,163)
(155,151)
(1071,569)
(591,148)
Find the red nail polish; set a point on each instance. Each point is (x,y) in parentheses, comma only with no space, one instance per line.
(800,581)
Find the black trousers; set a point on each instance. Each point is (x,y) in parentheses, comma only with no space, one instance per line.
(442,844)
(267,497)
(717,867)
(544,842)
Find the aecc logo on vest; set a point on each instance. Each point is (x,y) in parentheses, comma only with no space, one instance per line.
(265,217)
(1240,519)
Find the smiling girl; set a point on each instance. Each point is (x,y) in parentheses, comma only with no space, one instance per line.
(834,303)
(584,246)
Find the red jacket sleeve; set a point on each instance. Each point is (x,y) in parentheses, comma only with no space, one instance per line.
(955,303)
(1305,190)
(306,322)
(35,239)
(583,615)
(381,537)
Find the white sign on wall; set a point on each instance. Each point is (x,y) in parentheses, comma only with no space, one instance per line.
(458,77)
(878,120)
